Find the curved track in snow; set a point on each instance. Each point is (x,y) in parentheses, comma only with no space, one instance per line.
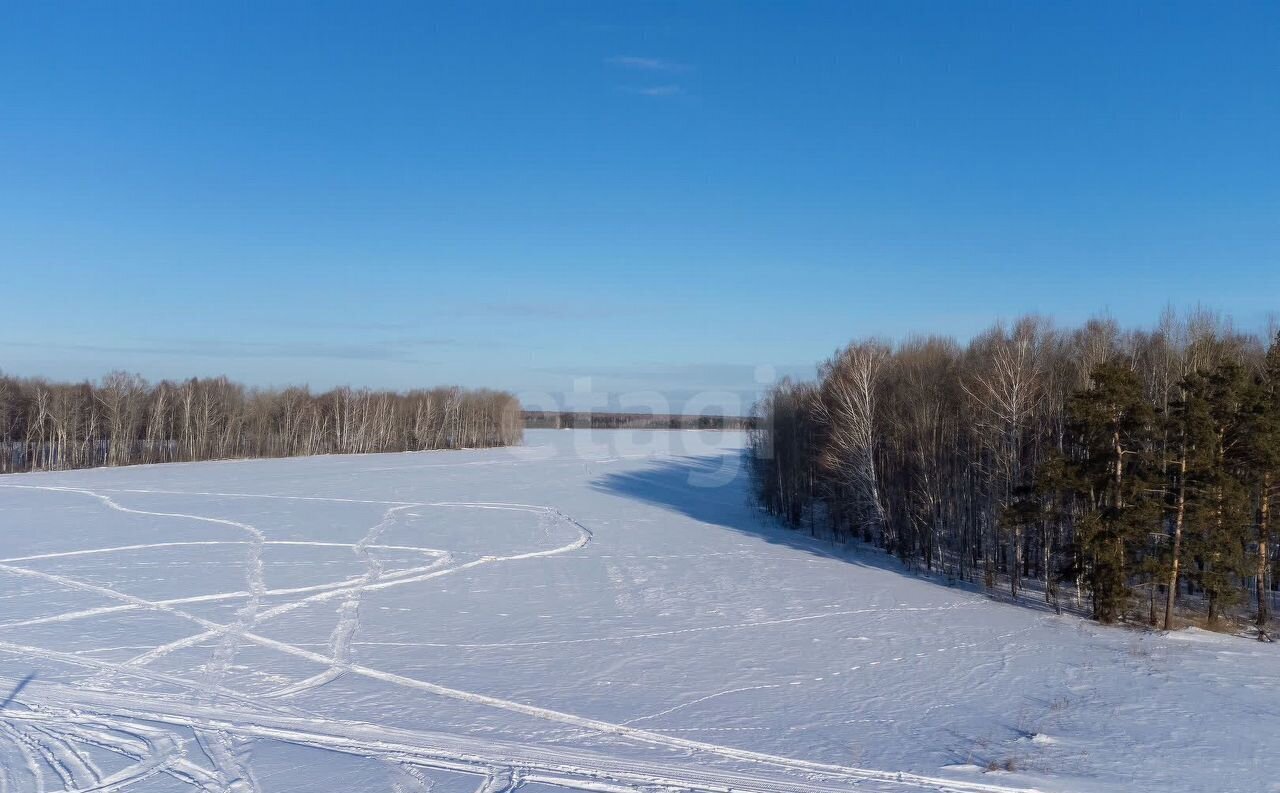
(57,727)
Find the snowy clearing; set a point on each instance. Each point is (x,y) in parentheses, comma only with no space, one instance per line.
(592,611)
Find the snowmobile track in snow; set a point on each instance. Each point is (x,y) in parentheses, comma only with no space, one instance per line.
(59,718)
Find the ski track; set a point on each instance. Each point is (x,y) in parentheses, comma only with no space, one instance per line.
(40,749)
(23,746)
(441,557)
(474,755)
(231,774)
(78,768)
(216,735)
(348,613)
(136,743)
(716,695)
(499,780)
(676,632)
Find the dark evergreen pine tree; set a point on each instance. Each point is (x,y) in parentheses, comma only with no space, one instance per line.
(1261,453)
(1218,514)
(1112,483)
(1190,425)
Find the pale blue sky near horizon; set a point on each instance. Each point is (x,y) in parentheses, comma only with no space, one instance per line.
(658,196)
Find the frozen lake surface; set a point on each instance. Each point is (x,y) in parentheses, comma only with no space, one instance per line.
(592,611)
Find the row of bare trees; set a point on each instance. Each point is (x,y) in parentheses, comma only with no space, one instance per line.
(568,419)
(123,419)
(1014,460)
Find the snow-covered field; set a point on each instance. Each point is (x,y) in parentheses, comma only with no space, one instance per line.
(600,612)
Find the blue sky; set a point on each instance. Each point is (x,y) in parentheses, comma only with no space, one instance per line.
(659,196)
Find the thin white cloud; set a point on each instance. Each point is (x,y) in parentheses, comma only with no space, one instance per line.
(659,90)
(646,64)
(405,350)
(523,310)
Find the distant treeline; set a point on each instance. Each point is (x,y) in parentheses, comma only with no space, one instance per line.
(124,419)
(1140,468)
(543,419)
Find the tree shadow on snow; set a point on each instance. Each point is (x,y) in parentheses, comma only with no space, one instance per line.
(715,490)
